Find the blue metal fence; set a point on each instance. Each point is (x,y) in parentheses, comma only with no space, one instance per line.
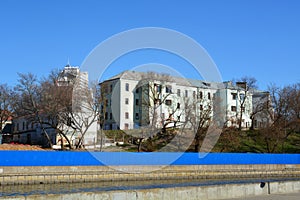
(61,158)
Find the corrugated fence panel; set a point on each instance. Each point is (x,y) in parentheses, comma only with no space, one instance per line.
(68,158)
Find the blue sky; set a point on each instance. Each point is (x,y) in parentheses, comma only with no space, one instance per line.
(259,38)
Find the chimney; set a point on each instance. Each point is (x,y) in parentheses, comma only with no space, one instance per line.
(242,85)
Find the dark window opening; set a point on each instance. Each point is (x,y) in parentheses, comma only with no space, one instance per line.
(168,102)
(233,96)
(178,92)
(168,89)
(233,108)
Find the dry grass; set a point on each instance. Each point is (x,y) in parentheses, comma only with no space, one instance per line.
(19,147)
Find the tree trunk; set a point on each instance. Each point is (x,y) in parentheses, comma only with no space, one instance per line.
(140,144)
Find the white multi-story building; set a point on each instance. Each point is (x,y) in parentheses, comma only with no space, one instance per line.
(81,107)
(134,99)
(27,130)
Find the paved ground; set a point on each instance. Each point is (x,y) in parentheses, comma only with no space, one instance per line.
(294,196)
(19,147)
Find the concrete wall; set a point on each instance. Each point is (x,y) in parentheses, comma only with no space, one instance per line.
(68,174)
(226,191)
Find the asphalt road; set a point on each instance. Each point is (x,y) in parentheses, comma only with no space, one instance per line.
(292,196)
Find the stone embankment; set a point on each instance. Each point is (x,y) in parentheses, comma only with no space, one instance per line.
(223,191)
(69,174)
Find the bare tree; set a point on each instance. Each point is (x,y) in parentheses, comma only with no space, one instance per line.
(27,100)
(86,114)
(294,101)
(245,84)
(5,104)
(46,103)
(73,105)
(56,101)
(152,86)
(102,100)
(205,115)
(198,114)
(284,117)
(262,109)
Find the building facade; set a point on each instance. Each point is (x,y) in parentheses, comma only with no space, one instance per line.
(136,99)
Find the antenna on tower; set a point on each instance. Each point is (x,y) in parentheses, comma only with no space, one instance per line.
(68,64)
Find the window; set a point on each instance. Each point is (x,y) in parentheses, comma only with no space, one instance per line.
(106,115)
(106,102)
(201,95)
(186,93)
(201,107)
(233,96)
(168,89)
(157,88)
(126,115)
(194,94)
(127,87)
(110,115)
(137,102)
(178,105)
(126,126)
(137,90)
(178,92)
(126,101)
(208,95)
(137,116)
(233,108)
(111,88)
(168,102)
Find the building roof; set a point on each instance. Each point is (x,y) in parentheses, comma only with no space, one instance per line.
(135,75)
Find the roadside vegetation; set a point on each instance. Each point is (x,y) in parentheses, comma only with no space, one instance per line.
(231,140)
